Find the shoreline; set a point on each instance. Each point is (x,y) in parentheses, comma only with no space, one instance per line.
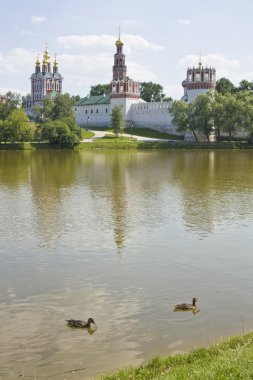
(154,144)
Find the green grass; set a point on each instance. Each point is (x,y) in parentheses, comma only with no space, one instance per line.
(87,134)
(110,142)
(147,132)
(231,359)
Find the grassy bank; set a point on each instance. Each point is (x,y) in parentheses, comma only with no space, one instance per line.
(132,144)
(147,132)
(128,143)
(231,359)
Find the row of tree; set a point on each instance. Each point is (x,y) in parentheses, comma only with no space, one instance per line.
(54,122)
(214,112)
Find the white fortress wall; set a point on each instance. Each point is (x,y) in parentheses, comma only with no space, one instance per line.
(97,114)
(153,115)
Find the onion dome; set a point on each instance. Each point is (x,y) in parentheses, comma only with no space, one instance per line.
(37,61)
(46,57)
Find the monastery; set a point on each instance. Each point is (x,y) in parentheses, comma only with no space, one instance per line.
(94,111)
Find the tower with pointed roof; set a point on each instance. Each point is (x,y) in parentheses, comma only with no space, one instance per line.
(198,81)
(123,90)
(44,81)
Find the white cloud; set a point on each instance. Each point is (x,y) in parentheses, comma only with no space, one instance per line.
(184,22)
(107,41)
(37,19)
(77,41)
(16,60)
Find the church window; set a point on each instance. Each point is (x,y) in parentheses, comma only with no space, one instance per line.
(106,110)
(91,111)
(96,110)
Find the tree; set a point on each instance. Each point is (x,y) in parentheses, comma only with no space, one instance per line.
(18,127)
(224,86)
(203,112)
(57,132)
(245,85)
(152,92)
(183,117)
(117,120)
(100,89)
(12,102)
(218,113)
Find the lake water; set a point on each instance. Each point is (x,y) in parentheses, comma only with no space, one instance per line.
(121,237)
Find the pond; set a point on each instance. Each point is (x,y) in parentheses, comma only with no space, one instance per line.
(121,236)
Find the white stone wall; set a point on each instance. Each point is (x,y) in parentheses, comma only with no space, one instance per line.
(97,114)
(141,114)
(153,115)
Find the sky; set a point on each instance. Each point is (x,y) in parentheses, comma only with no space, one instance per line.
(161,39)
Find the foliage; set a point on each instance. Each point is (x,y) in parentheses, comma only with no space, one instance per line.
(202,109)
(245,85)
(117,120)
(16,127)
(100,89)
(152,92)
(12,102)
(57,132)
(226,113)
(224,86)
(183,115)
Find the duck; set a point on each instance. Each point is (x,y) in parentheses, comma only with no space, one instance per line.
(80,324)
(187,306)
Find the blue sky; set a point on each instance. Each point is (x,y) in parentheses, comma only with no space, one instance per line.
(161,38)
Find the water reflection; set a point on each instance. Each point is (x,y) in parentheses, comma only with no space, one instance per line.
(179,218)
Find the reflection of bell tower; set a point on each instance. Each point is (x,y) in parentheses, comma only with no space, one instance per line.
(118,201)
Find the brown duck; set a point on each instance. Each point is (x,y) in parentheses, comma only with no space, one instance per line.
(80,324)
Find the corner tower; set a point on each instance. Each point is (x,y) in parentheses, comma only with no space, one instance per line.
(198,81)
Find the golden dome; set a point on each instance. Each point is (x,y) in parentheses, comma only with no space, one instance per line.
(46,56)
(119,43)
(55,61)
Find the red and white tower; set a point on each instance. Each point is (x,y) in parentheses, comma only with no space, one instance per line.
(123,90)
(199,80)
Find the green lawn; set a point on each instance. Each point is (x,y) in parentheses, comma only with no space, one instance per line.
(87,134)
(231,359)
(147,132)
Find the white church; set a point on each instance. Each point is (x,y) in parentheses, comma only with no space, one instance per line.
(96,110)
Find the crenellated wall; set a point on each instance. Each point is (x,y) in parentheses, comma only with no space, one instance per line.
(152,115)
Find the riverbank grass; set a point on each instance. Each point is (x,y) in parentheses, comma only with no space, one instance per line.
(231,359)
